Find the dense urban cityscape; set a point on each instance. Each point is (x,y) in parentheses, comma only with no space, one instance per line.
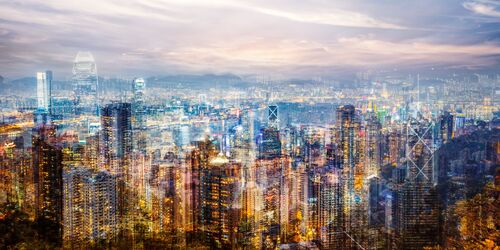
(308,142)
(380,164)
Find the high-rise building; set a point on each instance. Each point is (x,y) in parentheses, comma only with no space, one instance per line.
(138,119)
(74,205)
(331,211)
(138,87)
(90,206)
(270,142)
(44,90)
(85,83)
(219,204)
(348,127)
(394,147)
(101,206)
(373,141)
(417,216)
(446,127)
(351,144)
(47,168)
(116,135)
(43,97)
(272,116)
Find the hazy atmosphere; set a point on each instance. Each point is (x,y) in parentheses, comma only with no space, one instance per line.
(301,38)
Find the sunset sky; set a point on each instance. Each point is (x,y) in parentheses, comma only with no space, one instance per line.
(299,38)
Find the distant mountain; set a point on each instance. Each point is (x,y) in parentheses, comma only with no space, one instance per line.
(196,81)
(23,86)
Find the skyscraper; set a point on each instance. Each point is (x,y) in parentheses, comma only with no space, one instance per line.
(116,134)
(270,145)
(219,210)
(43,90)
(43,98)
(138,119)
(272,116)
(351,145)
(47,168)
(446,127)
(138,87)
(417,202)
(85,84)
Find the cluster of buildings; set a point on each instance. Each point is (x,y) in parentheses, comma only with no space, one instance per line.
(232,174)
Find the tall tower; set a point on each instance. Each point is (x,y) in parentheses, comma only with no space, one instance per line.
(420,150)
(138,119)
(47,171)
(270,143)
(417,202)
(43,90)
(446,127)
(272,116)
(139,85)
(347,128)
(116,134)
(351,147)
(43,97)
(85,84)
(219,202)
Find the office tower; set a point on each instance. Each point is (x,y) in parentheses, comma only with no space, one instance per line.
(348,127)
(47,168)
(269,176)
(43,98)
(270,144)
(44,90)
(199,158)
(116,139)
(85,83)
(138,88)
(351,145)
(272,116)
(417,204)
(446,127)
(373,141)
(219,204)
(377,231)
(116,135)
(419,150)
(394,147)
(331,214)
(138,112)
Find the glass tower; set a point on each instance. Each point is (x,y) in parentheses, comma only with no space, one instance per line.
(43,89)
(85,84)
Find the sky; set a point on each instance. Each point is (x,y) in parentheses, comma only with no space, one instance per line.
(296,38)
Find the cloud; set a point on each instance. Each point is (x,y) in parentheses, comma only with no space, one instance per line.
(482,8)
(306,37)
(261,55)
(333,17)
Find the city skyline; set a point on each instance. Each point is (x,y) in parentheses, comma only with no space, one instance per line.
(282,39)
(168,124)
